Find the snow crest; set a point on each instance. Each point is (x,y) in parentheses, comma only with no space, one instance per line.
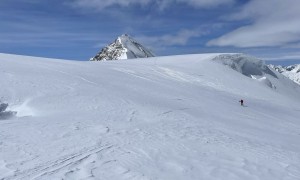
(247,65)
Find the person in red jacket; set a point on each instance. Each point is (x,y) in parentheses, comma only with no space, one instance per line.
(242,102)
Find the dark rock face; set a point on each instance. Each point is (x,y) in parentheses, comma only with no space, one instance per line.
(5,114)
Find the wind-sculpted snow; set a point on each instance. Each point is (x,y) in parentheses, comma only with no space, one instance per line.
(247,65)
(266,81)
(174,117)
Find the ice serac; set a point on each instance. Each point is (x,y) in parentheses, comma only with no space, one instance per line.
(124,47)
(292,72)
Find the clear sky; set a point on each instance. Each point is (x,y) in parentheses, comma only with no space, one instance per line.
(78,29)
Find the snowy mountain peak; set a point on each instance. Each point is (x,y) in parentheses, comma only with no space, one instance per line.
(292,71)
(124,47)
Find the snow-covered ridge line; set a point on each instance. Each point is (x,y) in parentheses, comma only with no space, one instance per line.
(27,57)
(249,66)
(292,71)
(245,64)
(124,47)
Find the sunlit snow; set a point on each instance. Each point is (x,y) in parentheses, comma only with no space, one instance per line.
(175,117)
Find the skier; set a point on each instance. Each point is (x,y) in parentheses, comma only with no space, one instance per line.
(242,102)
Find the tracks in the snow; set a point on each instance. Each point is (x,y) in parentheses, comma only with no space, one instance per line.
(52,167)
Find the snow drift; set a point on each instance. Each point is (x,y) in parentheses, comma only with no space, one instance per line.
(174,117)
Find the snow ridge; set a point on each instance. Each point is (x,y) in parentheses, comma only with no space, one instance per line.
(245,64)
(292,71)
(124,47)
(249,66)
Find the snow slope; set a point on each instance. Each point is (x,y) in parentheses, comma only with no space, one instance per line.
(175,117)
(124,47)
(292,72)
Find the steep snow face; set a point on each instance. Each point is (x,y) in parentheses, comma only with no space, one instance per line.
(124,47)
(292,72)
(175,117)
(248,66)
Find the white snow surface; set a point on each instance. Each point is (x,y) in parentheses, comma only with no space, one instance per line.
(175,117)
(292,72)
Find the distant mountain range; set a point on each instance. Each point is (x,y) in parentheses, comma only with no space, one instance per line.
(124,47)
(292,72)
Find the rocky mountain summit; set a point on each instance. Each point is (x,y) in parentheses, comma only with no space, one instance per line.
(124,47)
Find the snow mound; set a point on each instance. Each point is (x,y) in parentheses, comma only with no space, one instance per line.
(247,65)
(124,47)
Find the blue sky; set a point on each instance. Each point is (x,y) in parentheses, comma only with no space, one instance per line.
(78,29)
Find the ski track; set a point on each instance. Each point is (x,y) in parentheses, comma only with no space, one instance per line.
(132,73)
(126,160)
(71,75)
(54,167)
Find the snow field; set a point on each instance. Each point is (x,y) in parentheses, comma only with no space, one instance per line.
(172,117)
